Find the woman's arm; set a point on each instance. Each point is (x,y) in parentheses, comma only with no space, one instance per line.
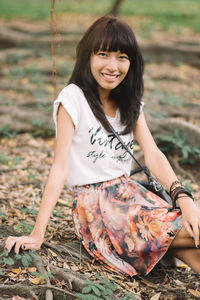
(55,182)
(155,160)
(158,164)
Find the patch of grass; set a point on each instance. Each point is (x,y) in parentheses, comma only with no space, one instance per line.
(159,14)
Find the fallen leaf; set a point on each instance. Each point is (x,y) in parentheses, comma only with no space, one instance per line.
(18,214)
(182,265)
(52,253)
(194,293)
(155,297)
(32,269)
(66,266)
(16,271)
(36,280)
(74,268)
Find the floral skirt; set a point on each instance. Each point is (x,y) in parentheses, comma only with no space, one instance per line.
(124,226)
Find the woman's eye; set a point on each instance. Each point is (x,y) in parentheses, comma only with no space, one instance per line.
(123,57)
(101,53)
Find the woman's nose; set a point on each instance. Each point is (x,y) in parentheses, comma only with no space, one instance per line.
(112,64)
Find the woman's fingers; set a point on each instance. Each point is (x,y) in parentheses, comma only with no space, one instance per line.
(23,242)
(189,229)
(10,242)
(196,234)
(193,230)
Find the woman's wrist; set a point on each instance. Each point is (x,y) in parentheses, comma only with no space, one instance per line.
(184,201)
(39,233)
(178,192)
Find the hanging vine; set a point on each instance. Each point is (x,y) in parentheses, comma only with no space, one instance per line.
(53,32)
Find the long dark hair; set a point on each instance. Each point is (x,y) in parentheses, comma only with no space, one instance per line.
(111,34)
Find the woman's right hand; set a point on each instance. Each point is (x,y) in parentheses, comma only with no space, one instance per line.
(24,242)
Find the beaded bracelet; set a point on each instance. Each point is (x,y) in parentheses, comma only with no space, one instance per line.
(175,184)
(176,192)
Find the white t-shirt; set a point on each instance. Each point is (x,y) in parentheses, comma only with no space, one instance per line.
(95,154)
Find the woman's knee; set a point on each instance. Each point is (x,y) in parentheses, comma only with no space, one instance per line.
(182,240)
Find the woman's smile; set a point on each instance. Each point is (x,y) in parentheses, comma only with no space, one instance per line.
(110,77)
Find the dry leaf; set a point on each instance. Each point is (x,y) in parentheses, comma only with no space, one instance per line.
(36,280)
(66,266)
(180,283)
(18,214)
(155,297)
(33,269)
(74,268)
(194,293)
(52,253)
(182,265)
(16,271)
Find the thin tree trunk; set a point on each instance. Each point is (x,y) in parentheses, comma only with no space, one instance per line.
(115,9)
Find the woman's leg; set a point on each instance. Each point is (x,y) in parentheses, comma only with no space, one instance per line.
(183,247)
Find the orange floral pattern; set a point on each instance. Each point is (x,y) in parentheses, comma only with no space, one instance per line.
(122,225)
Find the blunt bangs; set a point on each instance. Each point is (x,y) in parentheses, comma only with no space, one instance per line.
(114,36)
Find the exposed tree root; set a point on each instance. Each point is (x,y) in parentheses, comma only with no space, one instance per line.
(32,291)
(74,280)
(18,289)
(169,124)
(70,250)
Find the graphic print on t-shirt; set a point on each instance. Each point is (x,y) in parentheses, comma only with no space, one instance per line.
(105,143)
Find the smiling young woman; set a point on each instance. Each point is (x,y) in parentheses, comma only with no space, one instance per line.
(124,226)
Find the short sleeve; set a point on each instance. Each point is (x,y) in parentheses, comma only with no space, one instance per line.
(69,98)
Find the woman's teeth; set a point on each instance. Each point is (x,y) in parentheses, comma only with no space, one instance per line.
(110,76)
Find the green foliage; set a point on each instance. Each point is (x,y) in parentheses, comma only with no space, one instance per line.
(100,290)
(8,261)
(6,132)
(56,213)
(17,160)
(36,274)
(40,131)
(171,100)
(29,211)
(13,58)
(18,71)
(51,274)
(23,227)
(26,257)
(178,141)
(4,159)
(3,216)
(30,174)
(45,107)
(5,260)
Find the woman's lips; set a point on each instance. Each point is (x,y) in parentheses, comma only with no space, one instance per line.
(110,77)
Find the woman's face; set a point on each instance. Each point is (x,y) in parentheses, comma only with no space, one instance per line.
(109,69)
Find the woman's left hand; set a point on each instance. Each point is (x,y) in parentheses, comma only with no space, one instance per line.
(191,218)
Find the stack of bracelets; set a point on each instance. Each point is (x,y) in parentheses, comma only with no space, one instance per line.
(178,191)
